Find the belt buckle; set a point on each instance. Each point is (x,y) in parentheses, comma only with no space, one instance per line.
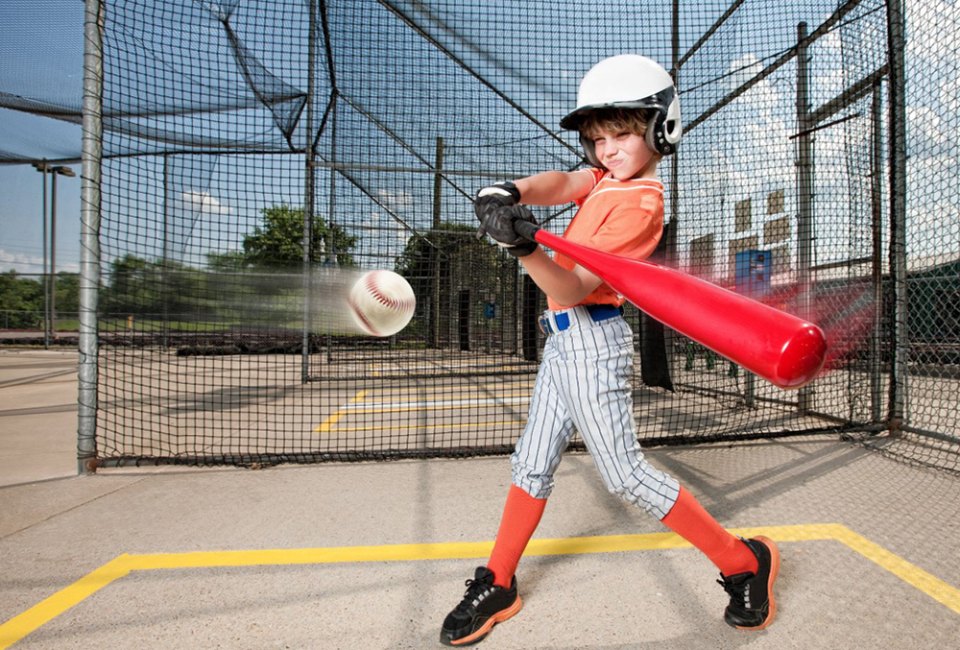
(544,323)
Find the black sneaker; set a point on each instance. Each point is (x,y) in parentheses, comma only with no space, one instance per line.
(752,606)
(484,605)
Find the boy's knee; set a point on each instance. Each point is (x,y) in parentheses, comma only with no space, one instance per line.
(649,489)
(652,504)
(537,485)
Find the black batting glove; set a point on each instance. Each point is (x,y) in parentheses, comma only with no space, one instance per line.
(499,194)
(499,224)
(492,198)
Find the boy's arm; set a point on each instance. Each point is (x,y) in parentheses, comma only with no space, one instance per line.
(555,187)
(566,287)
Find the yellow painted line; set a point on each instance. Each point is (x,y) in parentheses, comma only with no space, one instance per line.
(43,612)
(474,426)
(435,405)
(912,575)
(327,424)
(46,610)
(381,408)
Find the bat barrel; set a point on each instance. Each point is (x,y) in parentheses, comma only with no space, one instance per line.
(801,357)
(783,349)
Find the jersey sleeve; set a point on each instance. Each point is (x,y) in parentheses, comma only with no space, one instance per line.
(632,228)
(597,174)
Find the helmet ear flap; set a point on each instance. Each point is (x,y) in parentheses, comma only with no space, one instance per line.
(590,150)
(665,128)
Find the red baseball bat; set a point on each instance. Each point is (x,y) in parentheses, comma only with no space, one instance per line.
(785,350)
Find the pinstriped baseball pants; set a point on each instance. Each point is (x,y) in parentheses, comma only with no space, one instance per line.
(583,385)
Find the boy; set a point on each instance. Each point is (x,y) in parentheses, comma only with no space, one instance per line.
(628,116)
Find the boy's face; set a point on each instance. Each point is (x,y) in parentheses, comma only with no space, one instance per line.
(624,153)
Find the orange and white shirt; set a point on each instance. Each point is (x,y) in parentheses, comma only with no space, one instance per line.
(619,217)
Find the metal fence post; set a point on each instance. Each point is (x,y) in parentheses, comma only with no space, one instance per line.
(896,43)
(804,192)
(88,370)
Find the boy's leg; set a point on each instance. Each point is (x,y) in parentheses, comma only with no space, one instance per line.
(608,429)
(491,596)
(521,515)
(692,522)
(748,568)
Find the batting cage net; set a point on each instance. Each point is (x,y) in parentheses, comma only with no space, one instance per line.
(257,156)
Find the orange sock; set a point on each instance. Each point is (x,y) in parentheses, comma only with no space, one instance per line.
(688,519)
(521,515)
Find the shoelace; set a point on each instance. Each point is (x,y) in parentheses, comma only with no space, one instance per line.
(732,589)
(474,589)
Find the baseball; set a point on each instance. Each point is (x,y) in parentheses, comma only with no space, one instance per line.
(381,302)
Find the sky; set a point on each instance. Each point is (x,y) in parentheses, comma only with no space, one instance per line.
(21,223)
(932,126)
(41,46)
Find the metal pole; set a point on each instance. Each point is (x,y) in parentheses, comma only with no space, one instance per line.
(165,260)
(898,208)
(876,198)
(331,257)
(435,294)
(804,193)
(670,247)
(88,370)
(53,254)
(308,191)
(43,276)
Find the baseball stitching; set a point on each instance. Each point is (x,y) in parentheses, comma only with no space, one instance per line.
(374,290)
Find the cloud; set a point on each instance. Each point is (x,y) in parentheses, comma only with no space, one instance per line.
(203,202)
(20,262)
(26,264)
(395,200)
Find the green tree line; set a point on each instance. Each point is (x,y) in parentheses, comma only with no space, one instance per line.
(438,264)
(22,300)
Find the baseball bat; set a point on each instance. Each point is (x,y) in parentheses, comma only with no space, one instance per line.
(785,350)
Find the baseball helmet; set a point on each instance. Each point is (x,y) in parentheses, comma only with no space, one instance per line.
(630,81)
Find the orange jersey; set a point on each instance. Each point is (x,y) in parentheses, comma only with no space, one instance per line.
(619,217)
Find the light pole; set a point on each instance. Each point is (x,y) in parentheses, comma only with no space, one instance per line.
(50,278)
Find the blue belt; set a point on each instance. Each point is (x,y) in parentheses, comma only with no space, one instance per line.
(598,313)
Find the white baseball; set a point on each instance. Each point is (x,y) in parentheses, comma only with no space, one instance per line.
(381,302)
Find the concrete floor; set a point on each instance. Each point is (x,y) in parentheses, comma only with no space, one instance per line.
(373,555)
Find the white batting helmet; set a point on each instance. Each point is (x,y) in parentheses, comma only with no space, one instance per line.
(630,81)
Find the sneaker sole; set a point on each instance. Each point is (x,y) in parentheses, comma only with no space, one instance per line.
(484,630)
(774,570)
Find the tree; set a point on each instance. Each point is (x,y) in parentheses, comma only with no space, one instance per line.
(451,259)
(279,242)
(134,286)
(21,300)
(68,292)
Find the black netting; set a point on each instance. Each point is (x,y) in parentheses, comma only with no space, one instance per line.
(228,125)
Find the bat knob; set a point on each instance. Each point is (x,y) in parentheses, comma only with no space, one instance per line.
(801,358)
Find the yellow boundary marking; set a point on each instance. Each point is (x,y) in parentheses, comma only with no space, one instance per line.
(381,408)
(43,612)
(326,425)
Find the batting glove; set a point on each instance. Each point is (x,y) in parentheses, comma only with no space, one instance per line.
(490,199)
(497,207)
(499,224)
(500,194)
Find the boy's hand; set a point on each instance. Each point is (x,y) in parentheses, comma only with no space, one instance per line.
(497,207)
(498,223)
(505,193)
